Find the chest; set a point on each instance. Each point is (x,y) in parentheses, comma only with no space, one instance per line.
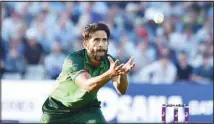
(96,71)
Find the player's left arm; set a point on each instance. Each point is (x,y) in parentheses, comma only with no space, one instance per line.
(120,82)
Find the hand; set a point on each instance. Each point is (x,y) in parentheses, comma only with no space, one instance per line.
(114,69)
(126,68)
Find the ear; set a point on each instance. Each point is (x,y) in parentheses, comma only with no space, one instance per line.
(84,44)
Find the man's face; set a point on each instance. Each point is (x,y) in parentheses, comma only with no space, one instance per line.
(97,45)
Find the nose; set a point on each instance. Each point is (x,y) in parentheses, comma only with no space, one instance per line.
(100,45)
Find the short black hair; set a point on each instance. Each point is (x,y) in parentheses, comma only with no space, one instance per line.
(91,28)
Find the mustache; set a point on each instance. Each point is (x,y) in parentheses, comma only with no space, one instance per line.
(101,50)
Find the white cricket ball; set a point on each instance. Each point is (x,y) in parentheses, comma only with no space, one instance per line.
(158,18)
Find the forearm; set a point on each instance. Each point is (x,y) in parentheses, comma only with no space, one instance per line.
(97,82)
(122,84)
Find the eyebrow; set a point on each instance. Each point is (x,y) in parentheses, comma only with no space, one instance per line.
(100,38)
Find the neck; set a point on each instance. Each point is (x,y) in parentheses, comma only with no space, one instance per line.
(93,62)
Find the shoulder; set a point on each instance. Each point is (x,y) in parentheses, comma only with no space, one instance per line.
(76,57)
(74,62)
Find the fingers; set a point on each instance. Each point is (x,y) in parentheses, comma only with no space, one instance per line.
(126,69)
(122,68)
(119,67)
(116,62)
(110,59)
(133,65)
(131,60)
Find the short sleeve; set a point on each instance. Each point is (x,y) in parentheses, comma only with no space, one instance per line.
(73,66)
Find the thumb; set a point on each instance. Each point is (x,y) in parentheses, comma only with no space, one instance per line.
(110,60)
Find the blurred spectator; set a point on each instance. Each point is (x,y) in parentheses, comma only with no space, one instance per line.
(54,61)
(192,42)
(144,55)
(1,68)
(17,44)
(33,51)
(210,52)
(187,26)
(4,48)
(161,71)
(184,70)
(203,73)
(191,19)
(65,31)
(10,24)
(167,28)
(204,31)
(1,59)
(162,48)
(177,40)
(45,25)
(197,59)
(99,10)
(126,49)
(14,62)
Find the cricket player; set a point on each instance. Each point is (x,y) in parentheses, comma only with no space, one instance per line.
(74,99)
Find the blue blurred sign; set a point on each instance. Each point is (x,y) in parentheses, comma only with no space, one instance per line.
(142,102)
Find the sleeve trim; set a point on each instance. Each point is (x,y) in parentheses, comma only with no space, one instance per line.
(77,73)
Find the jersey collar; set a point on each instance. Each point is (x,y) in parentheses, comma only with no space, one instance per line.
(86,59)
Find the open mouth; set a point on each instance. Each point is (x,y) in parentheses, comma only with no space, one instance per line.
(101,51)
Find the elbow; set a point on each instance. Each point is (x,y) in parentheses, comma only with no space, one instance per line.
(91,88)
(122,92)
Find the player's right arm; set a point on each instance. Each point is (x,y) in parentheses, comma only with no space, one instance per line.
(85,81)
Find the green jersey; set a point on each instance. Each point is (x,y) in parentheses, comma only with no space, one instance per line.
(69,96)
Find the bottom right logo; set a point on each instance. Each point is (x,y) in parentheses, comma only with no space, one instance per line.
(186,111)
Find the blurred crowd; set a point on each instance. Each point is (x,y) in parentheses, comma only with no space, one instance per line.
(39,35)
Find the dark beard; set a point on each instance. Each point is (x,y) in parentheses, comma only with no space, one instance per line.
(96,57)
(103,57)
